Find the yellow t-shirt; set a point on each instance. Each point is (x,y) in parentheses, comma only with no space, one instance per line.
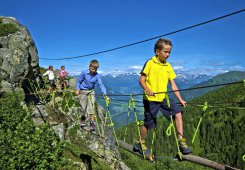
(157,77)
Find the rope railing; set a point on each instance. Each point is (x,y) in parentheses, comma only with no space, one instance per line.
(67,103)
(142,94)
(211,104)
(172,91)
(43,95)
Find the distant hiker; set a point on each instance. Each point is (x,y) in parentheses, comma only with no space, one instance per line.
(85,83)
(63,77)
(51,77)
(155,75)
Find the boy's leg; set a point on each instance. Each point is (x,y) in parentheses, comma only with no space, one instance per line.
(91,108)
(150,114)
(66,81)
(50,86)
(177,115)
(143,132)
(140,146)
(83,100)
(182,142)
(92,117)
(61,82)
(179,125)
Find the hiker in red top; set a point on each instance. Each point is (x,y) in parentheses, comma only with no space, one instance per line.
(63,74)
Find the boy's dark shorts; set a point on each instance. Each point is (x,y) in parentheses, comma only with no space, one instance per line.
(152,108)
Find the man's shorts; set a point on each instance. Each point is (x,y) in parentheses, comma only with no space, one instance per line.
(152,108)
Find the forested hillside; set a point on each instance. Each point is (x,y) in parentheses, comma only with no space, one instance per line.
(221,134)
(231,76)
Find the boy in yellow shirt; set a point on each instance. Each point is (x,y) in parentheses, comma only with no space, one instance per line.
(155,75)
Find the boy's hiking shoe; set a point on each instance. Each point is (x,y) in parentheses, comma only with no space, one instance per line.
(92,126)
(184,149)
(142,148)
(83,121)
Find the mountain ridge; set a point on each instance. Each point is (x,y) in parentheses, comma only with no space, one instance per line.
(229,77)
(119,109)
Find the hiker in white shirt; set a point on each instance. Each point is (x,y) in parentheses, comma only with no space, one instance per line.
(51,76)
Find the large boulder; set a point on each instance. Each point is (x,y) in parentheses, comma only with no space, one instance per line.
(18,55)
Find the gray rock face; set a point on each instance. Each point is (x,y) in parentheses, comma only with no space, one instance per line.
(59,130)
(104,147)
(18,57)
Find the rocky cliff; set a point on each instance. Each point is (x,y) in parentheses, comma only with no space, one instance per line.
(19,63)
(18,55)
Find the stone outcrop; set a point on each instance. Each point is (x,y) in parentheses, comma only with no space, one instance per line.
(19,63)
(18,56)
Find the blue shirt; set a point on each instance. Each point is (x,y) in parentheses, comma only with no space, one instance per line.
(86,81)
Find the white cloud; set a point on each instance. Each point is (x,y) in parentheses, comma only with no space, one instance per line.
(215,63)
(237,68)
(136,67)
(212,70)
(114,72)
(178,68)
(177,62)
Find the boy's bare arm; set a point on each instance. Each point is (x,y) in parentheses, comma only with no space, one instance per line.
(144,86)
(176,92)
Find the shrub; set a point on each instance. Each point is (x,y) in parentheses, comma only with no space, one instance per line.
(22,145)
(6,29)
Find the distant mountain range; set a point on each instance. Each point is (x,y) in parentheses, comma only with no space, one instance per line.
(129,83)
(232,76)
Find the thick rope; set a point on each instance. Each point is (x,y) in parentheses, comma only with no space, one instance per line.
(200,120)
(173,127)
(107,101)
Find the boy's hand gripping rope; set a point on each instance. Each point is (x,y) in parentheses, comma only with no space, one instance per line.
(171,125)
(200,120)
(107,102)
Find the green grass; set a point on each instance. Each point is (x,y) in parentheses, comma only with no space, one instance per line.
(6,29)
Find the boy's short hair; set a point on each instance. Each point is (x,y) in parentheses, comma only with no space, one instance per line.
(160,42)
(62,66)
(94,63)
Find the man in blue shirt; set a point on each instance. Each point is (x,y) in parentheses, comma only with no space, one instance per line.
(85,83)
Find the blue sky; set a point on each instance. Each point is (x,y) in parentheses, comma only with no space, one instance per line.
(76,27)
